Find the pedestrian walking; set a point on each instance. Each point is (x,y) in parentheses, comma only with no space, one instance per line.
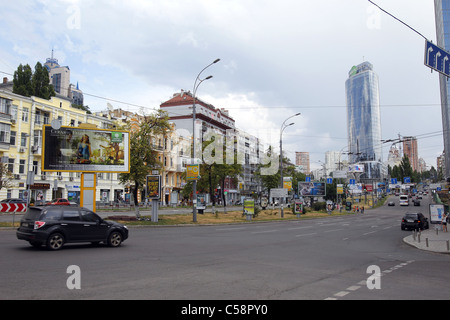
(444,222)
(362,209)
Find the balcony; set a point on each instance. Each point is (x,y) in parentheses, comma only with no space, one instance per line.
(36,150)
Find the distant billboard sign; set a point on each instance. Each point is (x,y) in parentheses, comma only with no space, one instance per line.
(311,189)
(357,167)
(85,150)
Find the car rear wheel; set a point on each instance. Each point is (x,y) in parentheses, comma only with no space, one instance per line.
(115,239)
(55,241)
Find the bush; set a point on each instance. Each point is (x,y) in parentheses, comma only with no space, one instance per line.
(319,206)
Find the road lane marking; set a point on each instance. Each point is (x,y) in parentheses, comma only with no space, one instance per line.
(266,231)
(341,294)
(300,228)
(333,230)
(306,234)
(363,283)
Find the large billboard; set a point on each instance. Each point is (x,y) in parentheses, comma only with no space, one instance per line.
(85,150)
(311,189)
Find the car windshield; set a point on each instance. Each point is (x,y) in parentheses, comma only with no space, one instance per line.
(411,215)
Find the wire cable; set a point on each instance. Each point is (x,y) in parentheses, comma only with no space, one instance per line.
(398,20)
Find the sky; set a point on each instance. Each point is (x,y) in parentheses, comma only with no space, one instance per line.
(278,58)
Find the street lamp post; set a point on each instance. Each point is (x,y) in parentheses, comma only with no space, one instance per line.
(197,83)
(283,126)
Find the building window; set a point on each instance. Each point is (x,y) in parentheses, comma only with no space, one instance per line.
(5,106)
(14,113)
(5,132)
(21,166)
(37,138)
(35,167)
(12,139)
(37,117)
(25,114)
(23,140)
(11,165)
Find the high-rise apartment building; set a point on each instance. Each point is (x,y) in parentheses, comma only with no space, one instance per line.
(442,18)
(302,160)
(410,150)
(364,120)
(59,76)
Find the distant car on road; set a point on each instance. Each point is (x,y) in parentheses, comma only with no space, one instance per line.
(415,221)
(13,200)
(58,201)
(54,226)
(391,203)
(416,202)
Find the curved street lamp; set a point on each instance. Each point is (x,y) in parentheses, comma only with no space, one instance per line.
(194,185)
(284,126)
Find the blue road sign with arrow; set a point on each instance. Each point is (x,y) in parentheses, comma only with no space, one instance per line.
(437,58)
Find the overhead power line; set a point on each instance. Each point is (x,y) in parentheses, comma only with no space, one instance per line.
(398,20)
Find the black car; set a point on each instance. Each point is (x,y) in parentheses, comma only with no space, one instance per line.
(416,221)
(54,226)
(416,202)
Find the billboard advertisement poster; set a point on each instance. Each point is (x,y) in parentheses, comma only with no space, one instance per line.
(249,206)
(85,150)
(357,167)
(192,172)
(311,189)
(436,213)
(154,187)
(298,207)
(201,202)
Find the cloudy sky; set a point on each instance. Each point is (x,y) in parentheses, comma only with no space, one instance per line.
(278,58)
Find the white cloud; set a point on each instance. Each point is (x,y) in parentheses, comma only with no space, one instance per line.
(278,58)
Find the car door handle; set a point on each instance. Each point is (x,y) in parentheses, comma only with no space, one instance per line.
(64,224)
(86,225)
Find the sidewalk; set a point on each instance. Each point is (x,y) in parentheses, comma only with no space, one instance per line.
(430,240)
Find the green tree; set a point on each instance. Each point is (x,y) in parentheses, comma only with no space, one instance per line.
(215,169)
(27,83)
(143,156)
(40,83)
(268,181)
(22,80)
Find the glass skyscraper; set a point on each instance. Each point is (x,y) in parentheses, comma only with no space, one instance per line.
(364,120)
(442,13)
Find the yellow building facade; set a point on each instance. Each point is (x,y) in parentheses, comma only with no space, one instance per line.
(21,123)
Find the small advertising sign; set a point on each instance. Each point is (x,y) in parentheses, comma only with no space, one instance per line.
(154,187)
(201,202)
(249,207)
(298,207)
(193,172)
(436,213)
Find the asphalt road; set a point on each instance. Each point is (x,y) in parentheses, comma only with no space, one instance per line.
(329,258)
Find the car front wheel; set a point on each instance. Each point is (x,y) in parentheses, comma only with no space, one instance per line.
(115,239)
